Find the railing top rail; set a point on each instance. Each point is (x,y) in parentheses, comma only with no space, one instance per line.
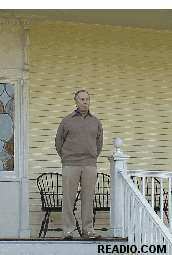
(144,173)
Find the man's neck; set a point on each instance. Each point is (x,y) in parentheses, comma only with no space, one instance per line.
(83,112)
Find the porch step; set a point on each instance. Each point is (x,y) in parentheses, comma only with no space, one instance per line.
(49,246)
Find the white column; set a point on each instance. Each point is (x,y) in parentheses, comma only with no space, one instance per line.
(24,138)
(117,163)
(14,185)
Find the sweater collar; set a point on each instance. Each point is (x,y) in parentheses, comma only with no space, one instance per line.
(77,112)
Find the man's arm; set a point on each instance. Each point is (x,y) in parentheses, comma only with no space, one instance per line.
(59,140)
(99,139)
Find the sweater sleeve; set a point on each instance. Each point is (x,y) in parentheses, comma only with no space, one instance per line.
(99,139)
(59,140)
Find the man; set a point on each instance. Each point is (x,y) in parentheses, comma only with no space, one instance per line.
(79,142)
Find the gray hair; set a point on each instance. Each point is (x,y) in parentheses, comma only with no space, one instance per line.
(76,94)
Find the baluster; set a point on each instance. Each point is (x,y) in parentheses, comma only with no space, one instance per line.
(155,231)
(137,225)
(169,202)
(143,186)
(153,235)
(148,232)
(128,212)
(158,237)
(170,249)
(132,203)
(161,198)
(151,231)
(167,247)
(144,235)
(152,192)
(161,239)
(126,201)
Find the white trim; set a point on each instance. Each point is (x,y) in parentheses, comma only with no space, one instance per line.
(9,233)
(9,21)
(20,79)
(15,73)
(142,173)
(13,174)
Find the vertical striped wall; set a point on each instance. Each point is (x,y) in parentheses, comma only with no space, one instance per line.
(128,75)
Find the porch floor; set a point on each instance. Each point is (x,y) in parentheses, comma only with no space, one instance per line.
(51,246)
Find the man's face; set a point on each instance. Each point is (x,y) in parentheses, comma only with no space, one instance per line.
(83,102)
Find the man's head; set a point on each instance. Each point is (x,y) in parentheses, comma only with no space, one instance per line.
(82,101)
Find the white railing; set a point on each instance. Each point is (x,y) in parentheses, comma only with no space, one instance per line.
(131,215)
(142,225)
(155,186)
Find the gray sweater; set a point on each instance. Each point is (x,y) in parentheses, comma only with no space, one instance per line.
(79,140)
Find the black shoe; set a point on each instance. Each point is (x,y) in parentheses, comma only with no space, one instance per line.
(68,236)
(91,236)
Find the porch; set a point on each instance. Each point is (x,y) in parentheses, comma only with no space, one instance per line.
(138,117)
(133,221)
(52,246)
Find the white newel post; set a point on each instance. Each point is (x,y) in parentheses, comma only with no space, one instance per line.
(117,163)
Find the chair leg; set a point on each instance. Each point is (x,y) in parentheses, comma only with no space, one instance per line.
(78,228)
(44,225)
(75,208)
(77,224)
(94,217)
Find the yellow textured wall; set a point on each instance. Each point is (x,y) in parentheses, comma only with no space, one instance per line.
(127,72)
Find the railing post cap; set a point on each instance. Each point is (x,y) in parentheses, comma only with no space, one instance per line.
(117,142)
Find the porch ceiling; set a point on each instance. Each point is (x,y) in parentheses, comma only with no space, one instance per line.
(136,18)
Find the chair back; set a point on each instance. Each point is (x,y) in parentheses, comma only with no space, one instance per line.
(50,188)
(102,193)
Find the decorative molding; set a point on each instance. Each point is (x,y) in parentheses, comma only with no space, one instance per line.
(10,74)
(26,47)
(27,24)
(23,22)
(25,127)
(9,22)
(15,74)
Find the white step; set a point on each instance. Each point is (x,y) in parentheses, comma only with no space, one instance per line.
(54,247)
